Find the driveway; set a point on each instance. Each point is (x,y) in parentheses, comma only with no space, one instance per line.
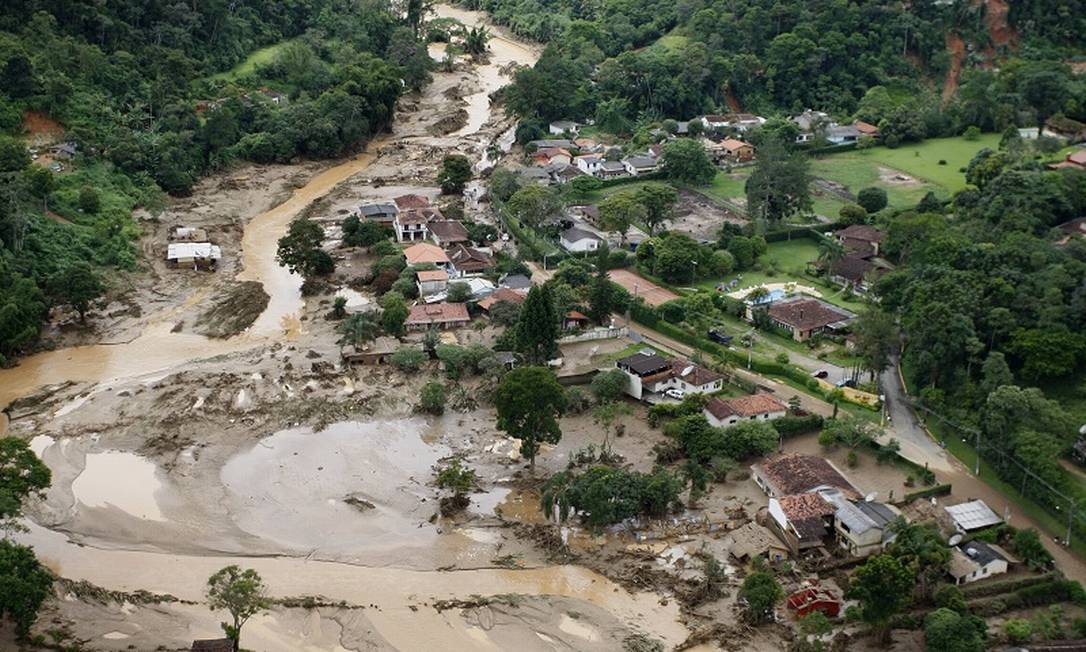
(903,425)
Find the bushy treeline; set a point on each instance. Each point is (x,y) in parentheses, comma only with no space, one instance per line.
(773,59)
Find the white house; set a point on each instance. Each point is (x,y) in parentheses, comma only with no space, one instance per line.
(589,163)
(842,134)
(410,226)
(197,255)
(810,124)
(636,165)
(651,373)
(756,407)
(562,127)
(977,560)
(433,281)
(576,240)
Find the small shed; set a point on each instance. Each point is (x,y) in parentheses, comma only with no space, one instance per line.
(972,516)
(197,255)
(574,320)
(814,598)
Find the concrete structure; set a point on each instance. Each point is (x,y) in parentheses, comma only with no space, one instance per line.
(737,151)
(802,521)
(196,255)
(380,213)
(562,127)
(971,516)
(410,226)
(432,281)
(611,170)
(862,527)
(756,407)
(589,163)
(650,373)
(188,234)
(446,233)
(636,165)
(977,560)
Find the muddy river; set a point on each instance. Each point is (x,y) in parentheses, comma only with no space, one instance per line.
(335,513)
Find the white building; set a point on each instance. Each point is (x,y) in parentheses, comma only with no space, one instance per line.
(576,240)
(756,407)
(561,127)
(977,560)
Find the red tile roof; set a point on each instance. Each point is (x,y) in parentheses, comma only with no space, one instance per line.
(499,295)
(805,314)
(433,275)
(424,252)
(698,375)
(437,313)
(404,202)
(861,232)
(799,507)
(744,406)
(449,231)
(796,474)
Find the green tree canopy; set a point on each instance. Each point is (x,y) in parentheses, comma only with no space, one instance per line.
(779,185)
(240,592)
(685,161)
(537,327)
(529,401)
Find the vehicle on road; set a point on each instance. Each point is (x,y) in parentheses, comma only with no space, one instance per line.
(677,394)
(820,373)
(719,337)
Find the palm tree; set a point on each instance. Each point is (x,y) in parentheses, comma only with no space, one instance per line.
(475,41)
(829,252)
(359,328)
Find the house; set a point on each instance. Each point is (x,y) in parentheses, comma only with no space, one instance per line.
(515,282)
(753,541)
(1029,133)
(611,170)
(1064,128)
(590,212)
(811,124)
(577,240)
(469,260)
(446,233)
(861,239)
(737,150)
(651,373)
(805,317)
(854,271)
(411,202)
(552,155)
(802,521)
(814,598)
(426,253)
(971,516)
(728,412)
(380,213)
(213,645)
(478,288)
(636,165)
(432,281)
(792,473)
(542,143)
(574,320)
(374,353)
(1075,161)
(715,121)
(567,173)
(500,295)
(439,315)
(863,526)
(276,97)
(197,255)
(682,127)
(588,163)
(535,175)
(64,151)
(977,560)
(410,225)
(743,122)
(587,146)
(866,129)
(842,134)
(714,150)
(189,234)
(562,127)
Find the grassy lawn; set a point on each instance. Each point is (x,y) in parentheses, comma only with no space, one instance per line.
(728,186)
(922,160)
(258,58)
(856,172)
(597,196)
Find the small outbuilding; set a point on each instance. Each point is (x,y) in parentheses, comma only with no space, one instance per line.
(194,255)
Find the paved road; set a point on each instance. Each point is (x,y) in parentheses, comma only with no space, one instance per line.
(916,444)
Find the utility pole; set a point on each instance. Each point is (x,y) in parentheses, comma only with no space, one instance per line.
(1070,518)
(976,450)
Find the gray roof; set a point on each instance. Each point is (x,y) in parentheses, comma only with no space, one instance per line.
(860,517)
(535,173)
(973,515)
(842,131)
(574,234)
(640,364)
(641,161)
(981,552)
(546,142)
(379,209)
(564,124)
(515,282)
(613,166)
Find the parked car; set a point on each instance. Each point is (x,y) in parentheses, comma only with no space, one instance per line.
(677,394)
(719,337)
(820,373)
(848,382)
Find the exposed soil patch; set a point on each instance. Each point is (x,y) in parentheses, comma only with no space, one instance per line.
(41,129)
(235,309)
(955,46)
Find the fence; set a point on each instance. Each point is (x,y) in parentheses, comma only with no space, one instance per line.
(602,333)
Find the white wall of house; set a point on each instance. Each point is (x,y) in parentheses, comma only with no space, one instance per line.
(410,232)
(581,246)
(633,387)
(994,567)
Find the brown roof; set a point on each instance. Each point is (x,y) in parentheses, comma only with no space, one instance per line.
(697,375)
(733,145)
(865,128)
(799,507)
(744,406)
(551,152)
(467,259)
(433,275)
(424,252)
(1078,158)
(499,295)
(805,314)
(438,313)
(449,231)
(796,474)
(752,540)
(412,216)
(861,232)
(404,202)
(852,268)
(576,316)
(857,247)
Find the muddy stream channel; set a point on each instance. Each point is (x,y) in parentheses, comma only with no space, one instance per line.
(275,502)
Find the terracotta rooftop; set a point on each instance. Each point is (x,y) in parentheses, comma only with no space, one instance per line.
(449,231)
(861,232)
(697,375)
(744,406)
(805,313)
(797,474)
(412,216)
(499,295)
(866,128)
(799,507)
(467,259)
(576,316)
(433,275)
(404,202)
(852,268)
(731,144)
(438,313)
(424,252)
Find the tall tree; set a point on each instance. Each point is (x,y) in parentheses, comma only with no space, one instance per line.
(779,186)
(762,592)
(242,593)
(22,474)
(884,587)
(454,175)
(946,630)
(537,327)
(24,586)
(77,285)
(533,205)
(658,200)
(621,210)
(300,250)
(529,401)
(685,161)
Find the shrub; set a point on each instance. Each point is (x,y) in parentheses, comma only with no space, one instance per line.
(432,398)
(1018,631)
(408,358)
(782,357)
(604,495)
(942,161)
(609,385)
(576,400)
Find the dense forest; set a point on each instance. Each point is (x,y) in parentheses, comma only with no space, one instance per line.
(652,60)
(155,95)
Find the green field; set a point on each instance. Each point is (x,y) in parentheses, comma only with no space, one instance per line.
(258,58)
(922,160)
